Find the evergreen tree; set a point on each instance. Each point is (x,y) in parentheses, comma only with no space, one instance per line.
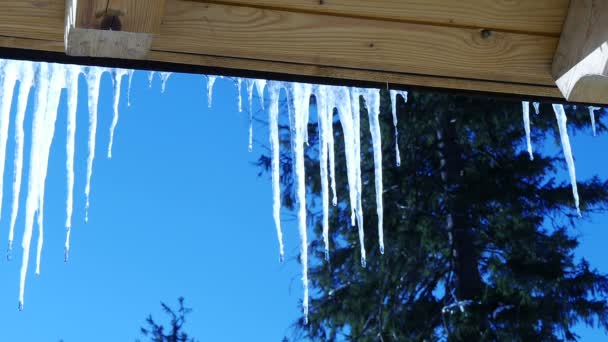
(479,239)
(158,333)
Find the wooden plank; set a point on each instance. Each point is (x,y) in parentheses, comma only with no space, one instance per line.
(141,16)
(538,16)
(580,66)
(246,32)
(111,28)
(296,70)
(32,19)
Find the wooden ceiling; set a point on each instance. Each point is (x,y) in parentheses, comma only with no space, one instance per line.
(500,46)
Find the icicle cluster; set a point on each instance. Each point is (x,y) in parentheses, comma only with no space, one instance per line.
(48,82)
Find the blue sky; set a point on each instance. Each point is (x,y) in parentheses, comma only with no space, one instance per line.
(178,211)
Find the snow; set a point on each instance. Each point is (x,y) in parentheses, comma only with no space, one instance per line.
(526,110)
(562,120)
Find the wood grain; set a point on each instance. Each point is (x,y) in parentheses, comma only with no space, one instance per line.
(539,16)
(141,16)
(32,19)
(244,32)
(580,67)
(332,74)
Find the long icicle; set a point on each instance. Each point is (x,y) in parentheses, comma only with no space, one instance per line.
(32,200)
(26,82)
(273,120)
(10,72)
(356,98)
(250,84)
(58,75)
(72,85)
(301,94)
(372,101)
(345,112)
(239,86)
(118,75)
(93,81)
(330,144)
(131,72)
(526,112)
(321,94)
(562,120)
(393,94)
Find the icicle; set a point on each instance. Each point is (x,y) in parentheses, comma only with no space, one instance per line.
(10,72)
(260,85)
(57,83)
(26,80)
(323,122)
(536,106)
(342,99)
(301,95)
(210,82)
(330,148)
(164,77)
(273,121)
(93,82)
(250,84)
(394,94)
(239,86)
(32,200)
(372,101)
(72,85)
(526,110)
(592,115)
(118,75)
(131,72)
(150,78)
(562,120)
(356,98)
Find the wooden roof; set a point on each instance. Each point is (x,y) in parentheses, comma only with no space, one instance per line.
(480,45)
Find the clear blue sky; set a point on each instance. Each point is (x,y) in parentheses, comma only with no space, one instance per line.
(178,211)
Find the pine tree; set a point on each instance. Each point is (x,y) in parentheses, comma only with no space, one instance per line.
(175,333)
(479,239)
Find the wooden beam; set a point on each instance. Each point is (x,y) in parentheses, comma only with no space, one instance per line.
(580,66)
(111,28)
(544,17)
(295,72)
(324,40)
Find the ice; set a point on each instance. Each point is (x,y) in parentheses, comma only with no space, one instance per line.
(260,85)
(536,106)
(118,75)
(239,86)
(93,81)
(57,83)
(273,121)
(32,199)
(592,115)
(562,120)
(164,77)
(526,111)
(9,81)
(131,72)
(372,101)
(26,71)
(321,95)
(72,85)
(393,94)
(250,85)
(210,82)
(301,99)
(151,78)
(356,94)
